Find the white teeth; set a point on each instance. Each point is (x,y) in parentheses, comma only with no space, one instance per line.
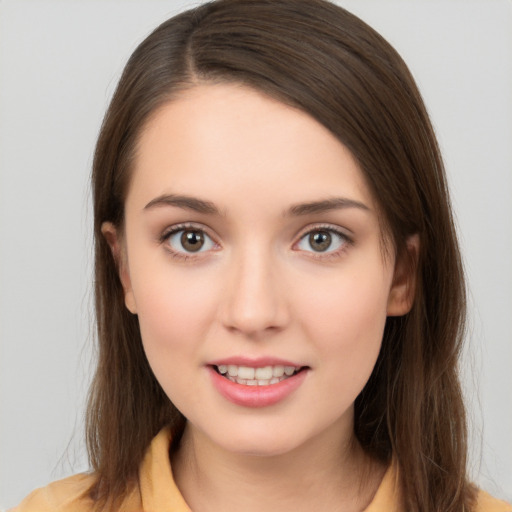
(264,373)
(263,376)
(245,372)
(278,371)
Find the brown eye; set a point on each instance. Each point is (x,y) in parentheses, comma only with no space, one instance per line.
(320,241)
(192,241)
(324,240)
(188,241)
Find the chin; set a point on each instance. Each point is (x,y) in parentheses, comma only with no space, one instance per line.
(258,440)
(264,447)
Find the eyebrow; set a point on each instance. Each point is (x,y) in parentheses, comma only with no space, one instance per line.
(185,202)
(300,209)
(335,203)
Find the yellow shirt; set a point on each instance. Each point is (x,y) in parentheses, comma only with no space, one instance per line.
(157,491)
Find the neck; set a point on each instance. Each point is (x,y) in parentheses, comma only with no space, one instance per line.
(329,472)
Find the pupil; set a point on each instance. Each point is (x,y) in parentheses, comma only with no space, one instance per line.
(192,240)
(320,240)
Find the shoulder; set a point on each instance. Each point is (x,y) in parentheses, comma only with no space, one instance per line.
(69,494)
(486,503)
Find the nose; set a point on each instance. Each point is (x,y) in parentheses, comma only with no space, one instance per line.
(255,299)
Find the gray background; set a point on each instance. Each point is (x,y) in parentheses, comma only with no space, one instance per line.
(59,62)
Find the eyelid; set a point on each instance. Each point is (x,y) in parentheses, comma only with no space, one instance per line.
(184,226)
(322,226)
(173,228)
(337,230)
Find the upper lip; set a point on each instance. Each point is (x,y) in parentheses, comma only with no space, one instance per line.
(258,362)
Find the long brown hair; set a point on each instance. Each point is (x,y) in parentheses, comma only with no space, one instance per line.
(320,58)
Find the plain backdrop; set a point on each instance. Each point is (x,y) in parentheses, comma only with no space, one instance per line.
(59,63)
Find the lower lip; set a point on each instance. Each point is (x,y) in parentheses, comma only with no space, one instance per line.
(256,396)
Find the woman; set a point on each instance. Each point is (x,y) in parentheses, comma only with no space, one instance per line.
(279,292)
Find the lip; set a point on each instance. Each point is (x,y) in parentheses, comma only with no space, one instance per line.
(259,362)
(256,396)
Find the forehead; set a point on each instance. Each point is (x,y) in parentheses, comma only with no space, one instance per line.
(229,141)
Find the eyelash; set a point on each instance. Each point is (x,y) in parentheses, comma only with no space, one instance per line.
(329,255)
(325,256)
(184,256)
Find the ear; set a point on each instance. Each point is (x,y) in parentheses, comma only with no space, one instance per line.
(115,242)
(401,295)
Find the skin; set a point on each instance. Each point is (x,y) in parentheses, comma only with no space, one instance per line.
(258,287)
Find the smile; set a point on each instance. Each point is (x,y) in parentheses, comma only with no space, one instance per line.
(263,376)
(256,384)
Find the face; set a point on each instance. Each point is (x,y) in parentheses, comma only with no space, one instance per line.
(252,255)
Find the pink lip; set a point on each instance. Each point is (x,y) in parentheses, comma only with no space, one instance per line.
(256,396)
(259,362)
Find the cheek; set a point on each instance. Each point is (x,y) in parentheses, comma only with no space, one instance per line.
(174,312)
(171,311)
(346,316)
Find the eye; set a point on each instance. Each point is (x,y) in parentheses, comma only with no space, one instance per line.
(189,240)
(322,240)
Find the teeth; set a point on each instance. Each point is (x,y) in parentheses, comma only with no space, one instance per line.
(263,373)
(263,376)
(245,372)
(278,371)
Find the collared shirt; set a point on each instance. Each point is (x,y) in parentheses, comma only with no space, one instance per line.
(157,491)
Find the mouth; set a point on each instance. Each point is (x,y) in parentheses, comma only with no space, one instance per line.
(262,383)
(261,376)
